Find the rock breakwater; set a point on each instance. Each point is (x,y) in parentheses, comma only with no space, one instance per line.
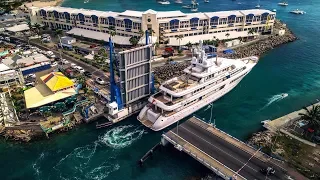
(264,45)
(167,71)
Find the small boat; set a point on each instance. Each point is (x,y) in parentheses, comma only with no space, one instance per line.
(283,95)
(164,2)
(187,6)
(283,3)
(194,2)
(178,2)
(274,10)
(258,5)
(297,11)
(206,1)
(265,121)
(194,9)
(239,3)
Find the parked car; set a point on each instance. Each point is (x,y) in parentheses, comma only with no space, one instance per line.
(54,64)
(64,61)
(79,69)
(88,74)
(73,65)
(100,81)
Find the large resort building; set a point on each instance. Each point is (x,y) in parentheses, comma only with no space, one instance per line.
(166,25)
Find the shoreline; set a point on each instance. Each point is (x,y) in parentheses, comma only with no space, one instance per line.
(41,4)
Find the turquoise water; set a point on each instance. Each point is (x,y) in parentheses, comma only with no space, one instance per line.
(112,153)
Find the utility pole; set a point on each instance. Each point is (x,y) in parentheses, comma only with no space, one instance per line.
(60,46)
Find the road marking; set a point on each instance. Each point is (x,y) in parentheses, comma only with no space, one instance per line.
(218,148)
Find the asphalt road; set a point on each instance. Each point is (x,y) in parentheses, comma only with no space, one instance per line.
(226,153)
(87,67)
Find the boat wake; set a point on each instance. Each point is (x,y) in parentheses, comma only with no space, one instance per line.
(121,136)
(85,163)
(36,166)
(102,171)
(86,1)
(275,98)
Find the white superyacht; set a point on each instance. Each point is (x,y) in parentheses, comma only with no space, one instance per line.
(203,82)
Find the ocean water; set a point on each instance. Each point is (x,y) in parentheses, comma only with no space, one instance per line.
(112,153)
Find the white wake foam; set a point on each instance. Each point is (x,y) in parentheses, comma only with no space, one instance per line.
(275,98)
(36,166)
(121,136)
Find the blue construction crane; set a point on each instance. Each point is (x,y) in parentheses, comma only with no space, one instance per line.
(114,89)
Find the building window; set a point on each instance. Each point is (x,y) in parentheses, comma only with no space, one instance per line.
(222,21)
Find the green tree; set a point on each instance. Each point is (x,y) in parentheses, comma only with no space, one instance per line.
(227,35)
(189,45)
(141,33)
(58,32)
(312,116)
(250,32)
(133,41)
(81,80)
(37,28)
(179,38)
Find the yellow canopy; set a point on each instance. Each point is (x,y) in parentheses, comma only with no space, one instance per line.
(57,81)
(42,95)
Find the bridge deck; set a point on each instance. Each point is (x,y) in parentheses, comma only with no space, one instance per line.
(221,152)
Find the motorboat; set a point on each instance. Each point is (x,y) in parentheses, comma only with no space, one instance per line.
(206,1)
(283,95)
(187,6)
(164,2)
(194,9)
(283,3)
(297,11)
(206,80)
(178,2)
(274,10)
(258,5)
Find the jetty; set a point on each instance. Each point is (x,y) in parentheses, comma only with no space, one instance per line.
(225,155)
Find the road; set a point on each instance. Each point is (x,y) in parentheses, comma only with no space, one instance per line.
(95,71)
(224,152)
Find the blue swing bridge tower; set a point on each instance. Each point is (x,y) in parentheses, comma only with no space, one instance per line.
(135,82)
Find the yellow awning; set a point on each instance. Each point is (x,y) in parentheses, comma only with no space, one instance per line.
(42,95)
(57,81)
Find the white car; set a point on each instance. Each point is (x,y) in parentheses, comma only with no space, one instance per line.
(100,81)
(73,65)
(64,61)
(54,64)
(79,69)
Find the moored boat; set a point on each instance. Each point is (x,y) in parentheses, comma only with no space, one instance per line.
(203,82)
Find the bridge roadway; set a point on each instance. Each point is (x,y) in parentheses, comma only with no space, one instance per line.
(221,152)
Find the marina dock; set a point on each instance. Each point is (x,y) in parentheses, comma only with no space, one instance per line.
(225,155)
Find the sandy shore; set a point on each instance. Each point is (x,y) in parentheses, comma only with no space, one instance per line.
(41,4)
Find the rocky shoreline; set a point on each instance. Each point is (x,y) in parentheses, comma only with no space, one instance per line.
(167,71)
(264,45)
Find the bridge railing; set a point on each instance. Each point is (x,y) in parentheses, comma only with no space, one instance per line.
(201,160)
(264,154)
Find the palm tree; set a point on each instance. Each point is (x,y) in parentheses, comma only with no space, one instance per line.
(151,32)
(134,41)
(312,116)
(58,32)
(37,27)
(179,38)
(141,33)
(30,26)
(189,45)
(227,35)
(250,32)
(112,34)
(81,80)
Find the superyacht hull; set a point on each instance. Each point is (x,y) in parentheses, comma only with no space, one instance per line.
(162,122)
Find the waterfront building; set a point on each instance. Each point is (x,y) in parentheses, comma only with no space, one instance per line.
(52,87)
(165,25)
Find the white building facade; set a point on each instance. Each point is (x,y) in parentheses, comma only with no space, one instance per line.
(166,25)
